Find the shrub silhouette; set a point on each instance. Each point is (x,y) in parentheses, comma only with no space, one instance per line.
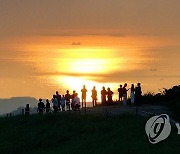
(168,97)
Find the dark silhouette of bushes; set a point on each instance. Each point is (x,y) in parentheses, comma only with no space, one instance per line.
(168,97)
(172,96)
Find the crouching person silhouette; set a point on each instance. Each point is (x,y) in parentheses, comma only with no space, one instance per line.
(76,103)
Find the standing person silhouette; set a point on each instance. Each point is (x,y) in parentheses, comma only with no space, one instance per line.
(67,98)
(59,100)
(84,91)
(55,103)
(120,91)
(125,94)
(47,106)
(94,96)
(103,96)
(132,93)
(72,97)
(109,96)
(41,106)
(63,103)
(138,94)
(27,109)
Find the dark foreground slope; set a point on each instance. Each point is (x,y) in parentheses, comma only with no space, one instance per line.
(74,133)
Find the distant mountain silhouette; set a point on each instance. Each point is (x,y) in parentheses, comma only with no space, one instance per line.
(18,111)
(11,104)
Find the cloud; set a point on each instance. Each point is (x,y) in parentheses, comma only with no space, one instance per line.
(116,76)
(115,34)
(153,69)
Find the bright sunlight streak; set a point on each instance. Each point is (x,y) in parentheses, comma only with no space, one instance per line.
(76,83)
(87,60)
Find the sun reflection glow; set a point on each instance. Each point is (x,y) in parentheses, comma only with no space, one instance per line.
(87,65)
(71,68)
(76,83)
(87,60)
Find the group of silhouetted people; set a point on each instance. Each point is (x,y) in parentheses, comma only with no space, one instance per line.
(60,102)
(94,96)
(106,94)
(135,94)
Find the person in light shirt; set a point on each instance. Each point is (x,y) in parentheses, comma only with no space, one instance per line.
(76,102)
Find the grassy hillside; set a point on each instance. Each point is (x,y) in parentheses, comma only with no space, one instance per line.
(74,133)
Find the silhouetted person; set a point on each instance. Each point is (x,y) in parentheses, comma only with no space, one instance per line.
(41,106)
(138,94)
(125,94)
(120,91)
(72,97)
(67,98)
(103,96)
(55,103)
(132,94)
(94,96)
(84,91)
(59,100)
(27,109)
(63,103)
(76,103)
(47,106)
(109,96)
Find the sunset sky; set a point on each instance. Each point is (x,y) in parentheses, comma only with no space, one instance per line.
(49,45)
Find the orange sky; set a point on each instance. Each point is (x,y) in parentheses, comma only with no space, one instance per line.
(45,42)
